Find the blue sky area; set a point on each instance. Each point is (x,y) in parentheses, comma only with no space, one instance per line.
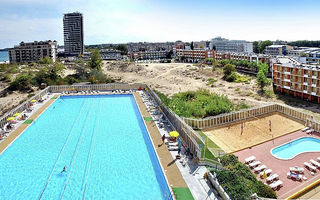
(117,21)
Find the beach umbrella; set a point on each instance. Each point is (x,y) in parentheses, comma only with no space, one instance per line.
(10,118)
(174,134)
(13,121)
(16,114)
(33,100)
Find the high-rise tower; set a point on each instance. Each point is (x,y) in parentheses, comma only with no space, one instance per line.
(73,34)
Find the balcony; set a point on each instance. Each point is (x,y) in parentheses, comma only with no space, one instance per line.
(305,83)
(313,85)
(315,77)
(287,73)
(313,93)
(305,91)
(287,80)
(305,75)
(287,87)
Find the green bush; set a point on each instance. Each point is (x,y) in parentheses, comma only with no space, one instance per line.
(21,82)
(45,61)
(239,182)
(197,104)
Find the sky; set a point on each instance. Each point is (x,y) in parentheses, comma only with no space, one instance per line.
(122,21)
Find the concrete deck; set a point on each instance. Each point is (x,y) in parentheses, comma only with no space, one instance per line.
(19,130)
(169,166)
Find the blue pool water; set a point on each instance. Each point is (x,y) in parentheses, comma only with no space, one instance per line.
(295,147)
(102,141)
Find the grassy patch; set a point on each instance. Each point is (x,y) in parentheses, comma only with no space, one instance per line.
(54,97)
(28,121)
(148,119)
(211,82)
(205,152)
(182,194)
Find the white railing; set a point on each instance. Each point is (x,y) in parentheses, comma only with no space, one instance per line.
(22,107)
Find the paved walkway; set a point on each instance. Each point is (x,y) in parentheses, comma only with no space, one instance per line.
(172,172)
(19,130)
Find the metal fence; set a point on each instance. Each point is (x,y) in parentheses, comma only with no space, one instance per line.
(22,106)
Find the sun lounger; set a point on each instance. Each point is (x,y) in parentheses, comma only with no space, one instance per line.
(315,163)
(305,129)
(318,158)
(296,169)
(173,148)
(260,168)
(309,166)
(172,144)
(267,172)
(276,184)
(254,164)
(294,176)
(272,177)
(249,159)
(310,131)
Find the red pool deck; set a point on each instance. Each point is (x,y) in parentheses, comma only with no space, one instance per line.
(281,167)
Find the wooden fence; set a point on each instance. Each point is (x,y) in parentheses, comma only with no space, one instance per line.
(246,114)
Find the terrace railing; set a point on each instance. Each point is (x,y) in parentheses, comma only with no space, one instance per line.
(22,107)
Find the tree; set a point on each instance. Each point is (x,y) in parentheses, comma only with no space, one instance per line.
(262,76)
(263,44)
(228,69)
(191,46)
(45,61)
(95,60)
(21,82)
(123,48)
(255,45)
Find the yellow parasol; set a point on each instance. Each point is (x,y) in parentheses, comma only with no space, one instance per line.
(16,114)
(33,100)
(174,134)
(10,118)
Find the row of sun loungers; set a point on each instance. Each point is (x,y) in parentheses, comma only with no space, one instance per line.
(272,179)
(308,130)
(313,166)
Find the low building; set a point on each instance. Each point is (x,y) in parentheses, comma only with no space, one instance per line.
(276,50)
(110,54)
(149,55)
(300,80)
(310,54)
(251,57)
(225,45)
(196,55)
(33,51)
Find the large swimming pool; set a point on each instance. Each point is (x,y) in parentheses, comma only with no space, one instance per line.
(291,149)
(101,140)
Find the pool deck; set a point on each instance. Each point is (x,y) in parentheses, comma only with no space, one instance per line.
(169,166)
(281,167)
(17,132)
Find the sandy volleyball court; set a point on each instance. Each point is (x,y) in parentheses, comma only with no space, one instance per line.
(255,131)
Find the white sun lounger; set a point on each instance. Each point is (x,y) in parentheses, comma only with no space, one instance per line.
(294,176)
(260,168)
(296,169)
(310,131)
(172,144)
(254,164)
(276,184)
(309,166)
(305,129)
(173,148)
(249,159)
(315,163)
(272,177)
(267,172)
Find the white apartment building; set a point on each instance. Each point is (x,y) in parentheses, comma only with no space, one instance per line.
(33,51)
(236,46)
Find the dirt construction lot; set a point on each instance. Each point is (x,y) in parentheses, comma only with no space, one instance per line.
(255,131)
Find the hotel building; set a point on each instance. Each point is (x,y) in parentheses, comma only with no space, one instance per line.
(33,51)
(194,55)
(300,80)
(73,34)
(149,55)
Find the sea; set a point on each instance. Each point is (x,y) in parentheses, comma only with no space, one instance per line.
(4,56)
